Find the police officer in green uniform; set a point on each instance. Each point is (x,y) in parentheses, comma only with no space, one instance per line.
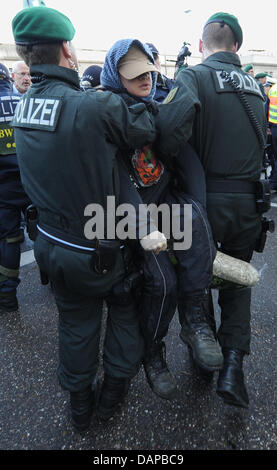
(261,78)
(67,141)
(249,69)
(220,130)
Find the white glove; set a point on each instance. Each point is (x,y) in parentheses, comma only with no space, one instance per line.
(155,241)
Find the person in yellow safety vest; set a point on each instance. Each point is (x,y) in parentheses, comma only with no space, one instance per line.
(271,113)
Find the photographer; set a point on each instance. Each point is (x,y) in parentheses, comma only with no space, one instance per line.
(181,61)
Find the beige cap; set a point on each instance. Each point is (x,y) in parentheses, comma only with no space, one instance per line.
(135,63)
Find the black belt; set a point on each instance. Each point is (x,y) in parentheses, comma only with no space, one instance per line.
(231,186)
(75,243)
(58,237)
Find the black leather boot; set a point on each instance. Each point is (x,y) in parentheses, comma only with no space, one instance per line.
(197,332)
(230,385)
(8,301)
(82,403)
(159,378)
(114,390)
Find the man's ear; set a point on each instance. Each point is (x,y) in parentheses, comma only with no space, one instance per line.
(200,46)
(235,47)
(66,50)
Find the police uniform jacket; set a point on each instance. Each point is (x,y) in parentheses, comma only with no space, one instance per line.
(205,110)
(11,190)
(210,118)
(67,142)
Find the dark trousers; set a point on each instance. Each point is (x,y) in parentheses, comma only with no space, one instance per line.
(236,227)
(194,268)
(165,284)
(13,202)
(79,293)
(158,296)
(80,322)
(273,159)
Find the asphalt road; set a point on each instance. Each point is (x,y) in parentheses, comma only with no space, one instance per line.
(34,411)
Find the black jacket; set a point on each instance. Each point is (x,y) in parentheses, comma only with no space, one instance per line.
(211,116)
(67,140)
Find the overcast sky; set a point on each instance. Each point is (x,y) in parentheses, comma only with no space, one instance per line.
(100,23)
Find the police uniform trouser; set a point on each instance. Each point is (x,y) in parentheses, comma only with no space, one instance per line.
(273,154)
(13,201)
(79,293)
(237,226)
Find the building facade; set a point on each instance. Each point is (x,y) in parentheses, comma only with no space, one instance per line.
(261,60)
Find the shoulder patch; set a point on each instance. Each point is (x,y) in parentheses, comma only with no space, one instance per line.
(170,95)
(8,105)
(38,112)
(246,83)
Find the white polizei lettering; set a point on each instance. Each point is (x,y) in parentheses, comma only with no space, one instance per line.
(19,110)
(245,79)
(11,107)
(23,119)
(3,109)
(30,109)
(220,80)
(45,111)
(37,111)
(10,100)
(236,74)
(52,119)
(6,107)
(255,85)
(40,102)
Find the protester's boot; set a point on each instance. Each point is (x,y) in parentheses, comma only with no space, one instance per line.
(82,404)
(8,301)
(197,333)
(113,392)
(230,385)
(159,378)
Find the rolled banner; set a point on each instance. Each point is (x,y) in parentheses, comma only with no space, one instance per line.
(234,271)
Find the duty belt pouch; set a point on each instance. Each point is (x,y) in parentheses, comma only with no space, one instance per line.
(105,255)
(268,225)
(263,196)
(31,218)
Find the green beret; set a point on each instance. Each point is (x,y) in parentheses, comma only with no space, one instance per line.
(231,21)
(261,75)
(38,25)
(248,67)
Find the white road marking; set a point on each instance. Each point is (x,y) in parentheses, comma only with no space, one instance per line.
(27,257)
